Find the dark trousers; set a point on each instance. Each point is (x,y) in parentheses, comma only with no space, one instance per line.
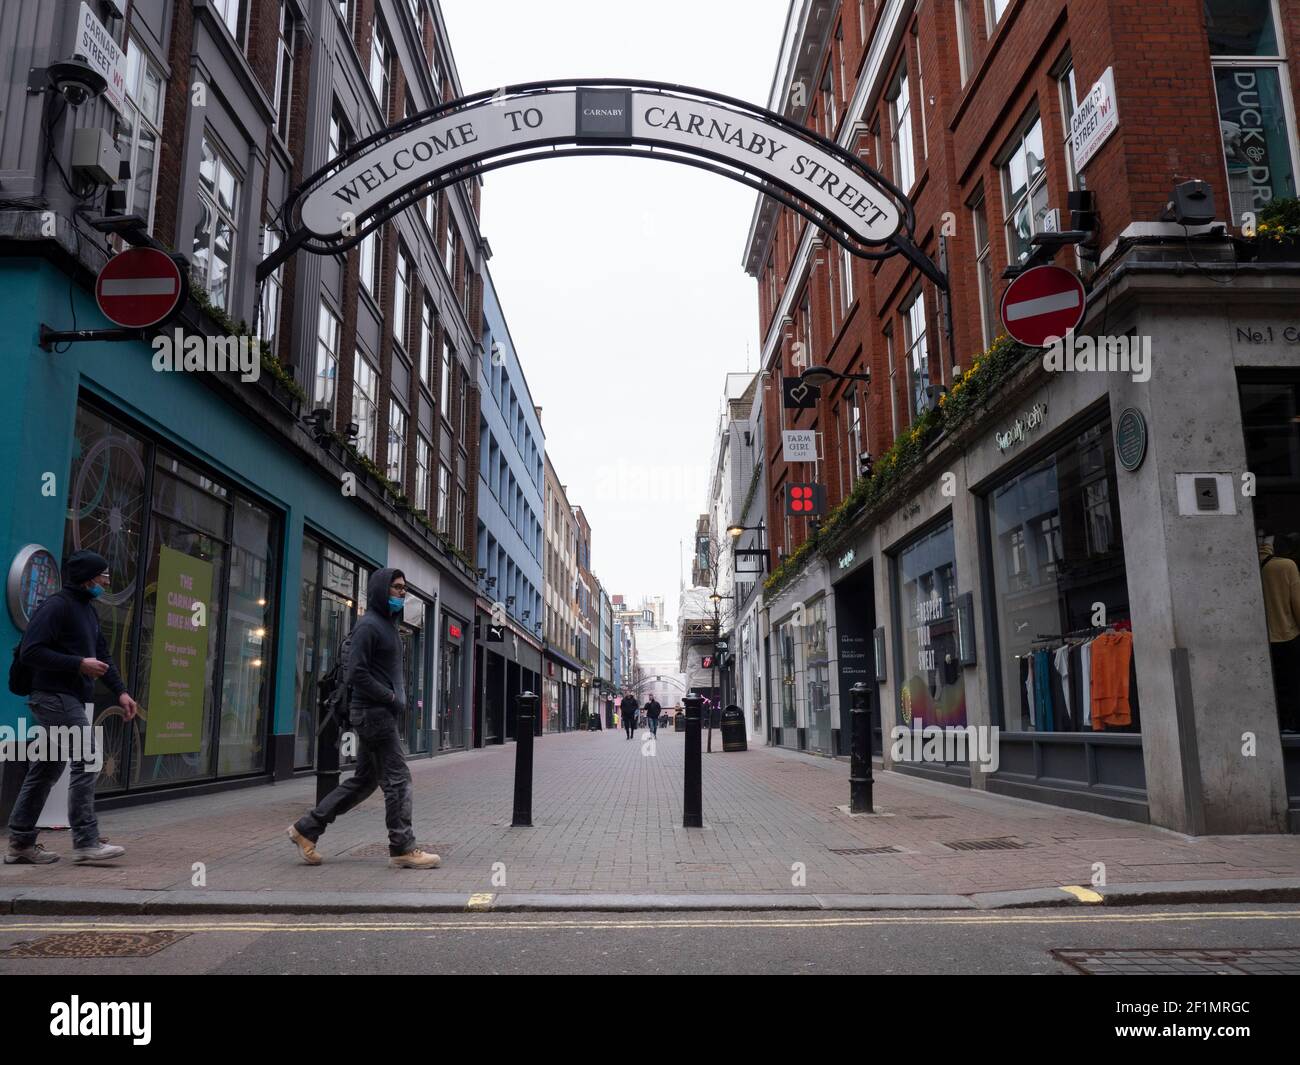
(52,710)
(1286,682)
(380,764)
(629,723)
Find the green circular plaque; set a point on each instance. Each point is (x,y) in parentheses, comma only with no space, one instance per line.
(1131,438)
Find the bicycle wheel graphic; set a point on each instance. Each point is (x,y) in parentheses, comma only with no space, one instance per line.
(107,510)
(118,733)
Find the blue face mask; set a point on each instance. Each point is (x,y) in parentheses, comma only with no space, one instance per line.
(96,590)
(395,604)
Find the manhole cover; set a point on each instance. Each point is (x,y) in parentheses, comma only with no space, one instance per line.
(1184,961)
(380,850)
(94,945)
(1005,843)
(865,850)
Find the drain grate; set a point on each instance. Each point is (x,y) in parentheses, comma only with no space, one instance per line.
(380,850)
(95,945)
(1002,843)
(865,850)
(1184,961)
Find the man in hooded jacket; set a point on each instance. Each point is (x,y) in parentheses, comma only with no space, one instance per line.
(65,650)
(378,697)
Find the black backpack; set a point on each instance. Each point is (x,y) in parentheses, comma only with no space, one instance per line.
(20,675)
(334,694)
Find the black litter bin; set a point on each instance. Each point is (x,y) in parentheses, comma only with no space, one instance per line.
(679,722)
(733,729)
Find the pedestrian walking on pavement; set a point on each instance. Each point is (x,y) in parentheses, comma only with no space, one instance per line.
(627,710)
(652,712)
(375,678)
(65,651)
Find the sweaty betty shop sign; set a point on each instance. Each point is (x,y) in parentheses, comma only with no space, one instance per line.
(500,126)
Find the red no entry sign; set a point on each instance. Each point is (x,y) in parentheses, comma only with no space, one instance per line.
(139,288)
(1042,303)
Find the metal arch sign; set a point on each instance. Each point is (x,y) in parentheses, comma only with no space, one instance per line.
(394,168)
(494,127)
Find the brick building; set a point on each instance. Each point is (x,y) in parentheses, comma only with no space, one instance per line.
(1016,509)
(231,480)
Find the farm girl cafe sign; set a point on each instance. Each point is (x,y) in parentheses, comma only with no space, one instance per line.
(393,169)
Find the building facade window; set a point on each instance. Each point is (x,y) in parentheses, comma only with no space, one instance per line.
(213,248)
(1057,547)
(396,443)
(444,378)
(328,328)
(444,499)
(234,14)
(846,280)
(450,248)
(402,296)
(917,354)
(365,404)
(965,39)
(428,337)
(934,692)
(983,267)
(380,71)
(996,9)
(892,365)
(423,449)
(368,263)
(1024,190)
(1069,104)
(140,131)
(900,131)
(272,296)
(284,70)
(1251,84)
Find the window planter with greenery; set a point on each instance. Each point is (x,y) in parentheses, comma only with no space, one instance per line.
(1277,233)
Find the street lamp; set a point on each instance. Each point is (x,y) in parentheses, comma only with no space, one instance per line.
(816,376)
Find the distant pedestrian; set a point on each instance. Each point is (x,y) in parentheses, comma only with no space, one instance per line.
(652,712)
(378,698)
(65,651)
(627,709)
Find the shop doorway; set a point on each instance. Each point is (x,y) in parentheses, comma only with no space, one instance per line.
(855,624)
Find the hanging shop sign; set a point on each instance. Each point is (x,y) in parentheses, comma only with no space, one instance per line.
(799,445)
(1130,438)
(179,667)
(1021,427)
(33,578)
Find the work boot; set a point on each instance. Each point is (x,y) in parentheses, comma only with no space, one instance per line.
(416,859)
(36,854)
(305,846)
(100,852)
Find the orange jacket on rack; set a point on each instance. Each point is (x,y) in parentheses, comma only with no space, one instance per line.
(1111,654)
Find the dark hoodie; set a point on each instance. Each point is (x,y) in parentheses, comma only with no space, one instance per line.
(374,667)
(64,630)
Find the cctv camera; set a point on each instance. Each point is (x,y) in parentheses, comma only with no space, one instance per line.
(76,80)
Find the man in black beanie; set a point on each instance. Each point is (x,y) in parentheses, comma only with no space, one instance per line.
(65,650)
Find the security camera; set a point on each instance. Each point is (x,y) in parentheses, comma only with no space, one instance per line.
(76,80)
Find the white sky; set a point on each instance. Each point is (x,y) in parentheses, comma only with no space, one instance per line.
(620,278)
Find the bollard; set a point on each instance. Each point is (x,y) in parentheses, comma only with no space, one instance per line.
(860,780)
(525,715)
(692,800)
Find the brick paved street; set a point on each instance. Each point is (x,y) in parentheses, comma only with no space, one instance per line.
(608,820)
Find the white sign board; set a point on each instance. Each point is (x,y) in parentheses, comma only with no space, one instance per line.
(499,127)
(102,53)
(1095,119)
(799,445)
